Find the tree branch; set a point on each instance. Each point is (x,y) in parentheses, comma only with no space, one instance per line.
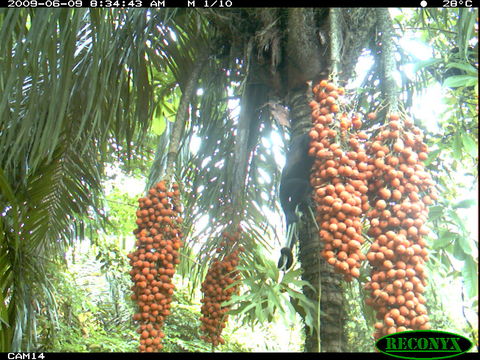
(182,116)
(389,86)
(335,42)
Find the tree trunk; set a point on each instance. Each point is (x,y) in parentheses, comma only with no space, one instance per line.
(326,283)
(316,42)
(316,271)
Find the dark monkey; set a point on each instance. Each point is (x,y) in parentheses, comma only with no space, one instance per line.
(294,190)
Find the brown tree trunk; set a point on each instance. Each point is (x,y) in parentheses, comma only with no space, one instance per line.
(316,271)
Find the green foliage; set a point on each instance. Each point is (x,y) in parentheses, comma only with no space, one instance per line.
(94,310)
(90,316)
(114,307)
(453,158)
(58,56)
(358,328)
(270,295)
(53,151)
(38,209)
(441,317)
(98,70)
(121,213)
(182,329)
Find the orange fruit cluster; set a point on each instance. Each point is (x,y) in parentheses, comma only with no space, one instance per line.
(399,190)
(339,179)
(387,172)
(218,288)
(158,241)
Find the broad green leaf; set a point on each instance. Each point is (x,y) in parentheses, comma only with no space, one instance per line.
(272,271)
(301,283)
(291,275)
(444,239)
(435,212)
(457,146)
(159,125)
(272,300)
(291,310)
(307,303)
(463,66)
(444,260)
(465,244)
(470,145)
(457,220)
(432,156)
(170,112)
(465,203)
(248,307)
(259,313)
(470,277)
(460,81)
(425,63)
(458,252)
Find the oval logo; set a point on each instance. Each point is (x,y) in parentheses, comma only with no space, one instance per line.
(423,344)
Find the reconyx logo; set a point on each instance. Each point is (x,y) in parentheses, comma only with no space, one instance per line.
(423,344)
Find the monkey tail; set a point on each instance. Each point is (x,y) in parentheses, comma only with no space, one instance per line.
(286,259)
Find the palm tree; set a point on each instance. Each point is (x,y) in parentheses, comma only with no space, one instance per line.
(275,52)
(79,85)
(71,92)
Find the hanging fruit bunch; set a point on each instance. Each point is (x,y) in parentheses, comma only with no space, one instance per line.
(158,241)
(399,190)
(339,179)
(217,288)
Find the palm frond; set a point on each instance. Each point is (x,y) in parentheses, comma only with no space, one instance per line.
(59,195)
(89,69)
(70,58)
